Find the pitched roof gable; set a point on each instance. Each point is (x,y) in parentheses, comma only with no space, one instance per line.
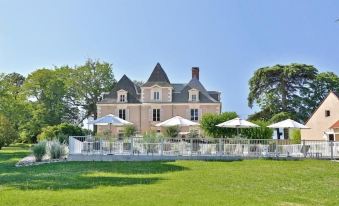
(126,84)
(316,109)
(196,84)
(123,84)
(158,76)
(204,96)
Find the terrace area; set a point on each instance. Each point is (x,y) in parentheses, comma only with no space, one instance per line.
(134,148)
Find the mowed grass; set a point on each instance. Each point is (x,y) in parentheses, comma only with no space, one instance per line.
(249,182)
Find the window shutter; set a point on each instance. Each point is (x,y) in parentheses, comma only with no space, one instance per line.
(162,115)
(199,114)
(150,115)
(127,114)
(116,112)
(188,114)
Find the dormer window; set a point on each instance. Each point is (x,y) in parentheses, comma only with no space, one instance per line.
(156,96)
(122,96)
(193,95)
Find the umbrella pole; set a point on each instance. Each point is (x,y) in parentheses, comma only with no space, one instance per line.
(110,129)
(88,132)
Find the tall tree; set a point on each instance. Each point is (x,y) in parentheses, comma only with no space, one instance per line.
(89,82)
(13,104)
(44,88)
(324,82)
(7,133)
(282,88)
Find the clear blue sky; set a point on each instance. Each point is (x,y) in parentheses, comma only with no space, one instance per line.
(228,40)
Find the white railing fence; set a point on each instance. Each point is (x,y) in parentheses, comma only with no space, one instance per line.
(88,145)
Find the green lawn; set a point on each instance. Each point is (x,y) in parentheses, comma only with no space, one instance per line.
(250,182)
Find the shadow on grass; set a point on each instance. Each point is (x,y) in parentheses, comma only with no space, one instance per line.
(68,181)
(79,175)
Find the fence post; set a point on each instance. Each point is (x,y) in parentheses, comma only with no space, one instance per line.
(70,145)
(331,145)
(131,149)
(100,145)
(161,146)
(182,147)
(304,148)
(220,147)
(191,141)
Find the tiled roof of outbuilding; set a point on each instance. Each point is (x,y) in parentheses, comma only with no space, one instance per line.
(335,125)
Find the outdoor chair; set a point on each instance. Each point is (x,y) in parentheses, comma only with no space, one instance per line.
(304,150)
(87,147)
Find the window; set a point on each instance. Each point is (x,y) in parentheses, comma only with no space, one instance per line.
(331,137)
(194,97)
(194,114)
(156,95)
(156,115)
(122,114)
(327,113)
(122,98)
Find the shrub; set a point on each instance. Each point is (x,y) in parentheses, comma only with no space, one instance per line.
(209,121)
(172,131)
(262,132)
(39,150)
(7,132)
(60,132)
(193,133)
(129,130)
(107,133)
(151,137)
(56,150)
(281,116)
(295,136)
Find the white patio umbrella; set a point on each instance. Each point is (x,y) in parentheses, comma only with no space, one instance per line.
(288,123)
(110,120)
(237,123)
(177,121)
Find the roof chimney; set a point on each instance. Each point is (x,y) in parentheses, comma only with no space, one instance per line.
(195,72)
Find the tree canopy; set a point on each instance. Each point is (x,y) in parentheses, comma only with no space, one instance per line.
(294,88)
(50,97)
(209,121)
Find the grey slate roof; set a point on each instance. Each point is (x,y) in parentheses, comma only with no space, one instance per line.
(204,96)
(126,84)
(214,94)
(336,93)
(158,77)
(178,87)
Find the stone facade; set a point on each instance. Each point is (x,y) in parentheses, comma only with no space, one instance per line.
(158,100)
